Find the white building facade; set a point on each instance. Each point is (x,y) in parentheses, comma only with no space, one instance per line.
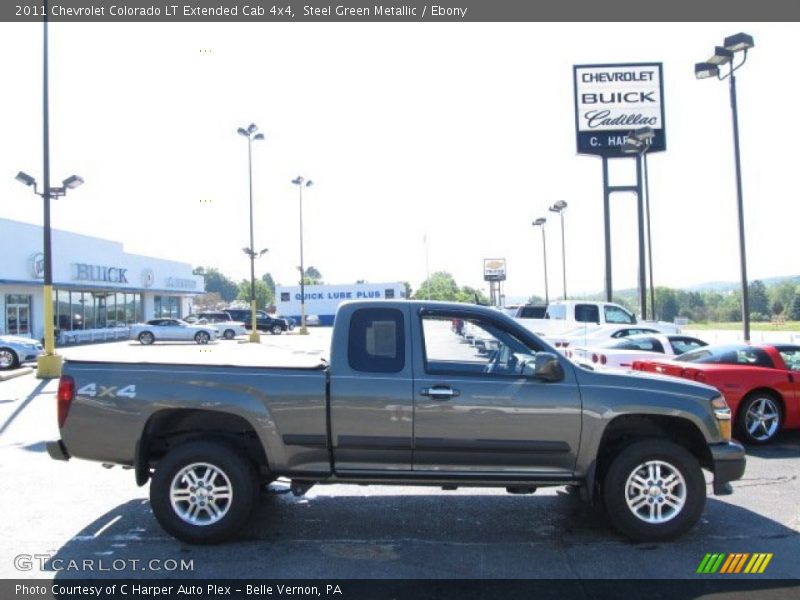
(96,284)
(323,300)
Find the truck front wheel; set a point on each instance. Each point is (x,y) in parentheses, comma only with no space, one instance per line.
(203,492)
(654,490)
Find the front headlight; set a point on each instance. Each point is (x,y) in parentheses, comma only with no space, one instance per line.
(722,413)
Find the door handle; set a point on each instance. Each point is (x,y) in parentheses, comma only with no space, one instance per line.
(440,392)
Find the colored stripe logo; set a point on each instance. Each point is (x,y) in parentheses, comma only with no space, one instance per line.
(737,562)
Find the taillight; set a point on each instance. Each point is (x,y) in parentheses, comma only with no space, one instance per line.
(564,344)
(603,359)
(636,366)
(594,358)
(558,344)
(65,395)
(699,376)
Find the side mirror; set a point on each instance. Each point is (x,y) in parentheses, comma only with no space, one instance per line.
(547,367)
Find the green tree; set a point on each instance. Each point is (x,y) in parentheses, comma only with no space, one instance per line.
(472,296)
(207,301)
(270,282)
(794,314)
(219,283)
(313,276)
(439,286)
(264,297)
(667,307)
(783,293)
(759,303)
(730,309)
(408,290)
(535,300)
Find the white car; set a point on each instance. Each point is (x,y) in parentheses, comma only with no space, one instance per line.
(172,330)
(226,328)
(593,335)
(620,353)
(15,350)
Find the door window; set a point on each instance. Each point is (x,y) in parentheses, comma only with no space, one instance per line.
(472,346)
(616,314)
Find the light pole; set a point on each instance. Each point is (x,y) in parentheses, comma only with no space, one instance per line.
(300,182)
(559,207)
(724,55)
(540,223)
(638,142)
(48,365)
(250,133)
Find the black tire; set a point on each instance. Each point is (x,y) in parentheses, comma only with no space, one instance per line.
(232,466)
(760,418)
(202,337)
(8,359)
(229,334)
(146,338)
(678,507)
(276,330)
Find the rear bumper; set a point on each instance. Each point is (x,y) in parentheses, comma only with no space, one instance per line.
(728,464)
(57,450)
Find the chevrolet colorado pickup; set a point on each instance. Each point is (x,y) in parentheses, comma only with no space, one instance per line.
(404,400)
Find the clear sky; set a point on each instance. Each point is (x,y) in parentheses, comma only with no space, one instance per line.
(461,131)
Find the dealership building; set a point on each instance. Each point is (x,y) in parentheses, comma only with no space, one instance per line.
(323,300)
(97,286)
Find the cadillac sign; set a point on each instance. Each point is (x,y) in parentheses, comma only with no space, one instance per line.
(611,101)
(494,269)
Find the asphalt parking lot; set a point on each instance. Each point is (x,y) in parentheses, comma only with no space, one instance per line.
(56,513)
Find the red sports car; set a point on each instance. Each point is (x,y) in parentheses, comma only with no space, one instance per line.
(761,383)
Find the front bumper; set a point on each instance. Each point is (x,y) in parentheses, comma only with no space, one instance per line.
(57,450)
(728,463)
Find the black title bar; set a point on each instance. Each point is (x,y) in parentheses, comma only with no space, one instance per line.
(112,11)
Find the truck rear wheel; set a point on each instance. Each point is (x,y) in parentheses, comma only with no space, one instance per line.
(203,492)
(654,490)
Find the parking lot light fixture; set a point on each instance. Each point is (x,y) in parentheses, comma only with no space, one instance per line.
(48,365)
(72,182)
(559,207)
(722,56)
(540,223)
(301,182)
(705,70)
(248,133)
(725,55)
(25,179)
(738,42)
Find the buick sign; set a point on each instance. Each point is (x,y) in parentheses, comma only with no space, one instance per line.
(611,101)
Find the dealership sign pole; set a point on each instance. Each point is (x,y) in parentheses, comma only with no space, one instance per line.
(494,272)
(611,101)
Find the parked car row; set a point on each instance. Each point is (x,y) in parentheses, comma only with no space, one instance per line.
(760,382)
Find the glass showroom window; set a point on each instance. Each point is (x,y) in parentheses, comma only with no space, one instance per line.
(167,307)
(18,314)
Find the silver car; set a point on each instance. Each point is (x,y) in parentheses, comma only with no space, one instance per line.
(172,330)
(15,350)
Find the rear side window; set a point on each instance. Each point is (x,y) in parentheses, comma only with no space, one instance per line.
(587,313)
(377,343)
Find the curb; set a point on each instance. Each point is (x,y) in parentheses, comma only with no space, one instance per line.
(15,373)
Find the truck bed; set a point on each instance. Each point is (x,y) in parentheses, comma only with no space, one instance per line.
(233,353)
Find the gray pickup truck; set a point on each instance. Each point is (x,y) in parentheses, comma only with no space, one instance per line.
(406,399)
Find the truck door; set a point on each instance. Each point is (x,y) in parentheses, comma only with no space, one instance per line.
(478,409)
(371,393)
